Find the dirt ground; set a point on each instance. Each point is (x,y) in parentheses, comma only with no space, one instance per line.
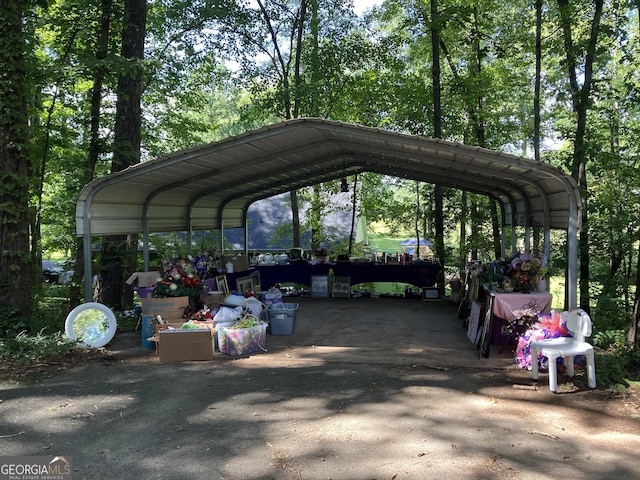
(364,389)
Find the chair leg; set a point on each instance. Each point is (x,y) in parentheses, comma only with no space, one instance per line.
(591,369)
(553,373)
(534,363)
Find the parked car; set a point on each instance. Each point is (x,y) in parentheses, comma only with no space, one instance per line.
(51,271)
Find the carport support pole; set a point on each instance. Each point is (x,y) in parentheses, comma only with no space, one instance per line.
(572,259)
(88,274)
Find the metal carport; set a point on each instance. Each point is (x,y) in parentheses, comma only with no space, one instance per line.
(212,186)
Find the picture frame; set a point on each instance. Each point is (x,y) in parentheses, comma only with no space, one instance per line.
(255,282)
(319,286)
(342,287)
(221,284)
(473,327)
(244,284)
(430,293)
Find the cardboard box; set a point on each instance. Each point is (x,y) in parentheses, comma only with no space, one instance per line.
(143,279)
(212,300)
(169,308)
(240,262)
(185,345)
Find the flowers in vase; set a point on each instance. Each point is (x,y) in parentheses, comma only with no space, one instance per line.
(527,269)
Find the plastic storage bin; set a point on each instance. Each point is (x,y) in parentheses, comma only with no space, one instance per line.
(242,341)
(282,318)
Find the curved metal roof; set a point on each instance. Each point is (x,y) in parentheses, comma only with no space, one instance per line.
(212,186)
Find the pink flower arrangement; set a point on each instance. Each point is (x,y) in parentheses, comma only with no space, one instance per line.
(527,268)
(550,325)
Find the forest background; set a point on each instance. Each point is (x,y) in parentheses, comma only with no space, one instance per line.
(89,87)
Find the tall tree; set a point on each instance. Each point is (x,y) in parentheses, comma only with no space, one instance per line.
(95,143)
(537,81)
(437,131)
(580,96)
(15,261)
(116,250)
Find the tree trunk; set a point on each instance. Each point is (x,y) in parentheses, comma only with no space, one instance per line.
(580,103)
(95,149)
(126,149)
(437,133)
(315,219)
(462,246)
(295,217)
(291,109)
(633,334)
(538,80)
(473,214)
(495,224)
(15,260)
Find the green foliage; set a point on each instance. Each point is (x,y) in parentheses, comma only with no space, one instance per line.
(173,245)
(10,323)
(618,366)
(26,348)
(610,339)
(609,314)
(128,319)
(42,337)
(51,307)
(374,72)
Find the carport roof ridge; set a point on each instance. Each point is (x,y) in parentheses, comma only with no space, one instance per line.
(211,186)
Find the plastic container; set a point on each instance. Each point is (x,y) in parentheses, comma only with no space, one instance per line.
(148,330)
(242,341)
(219,326)
(282,318)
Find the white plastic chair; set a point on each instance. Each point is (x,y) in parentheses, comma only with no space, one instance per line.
(579,325)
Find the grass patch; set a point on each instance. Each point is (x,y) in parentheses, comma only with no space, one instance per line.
(28,348)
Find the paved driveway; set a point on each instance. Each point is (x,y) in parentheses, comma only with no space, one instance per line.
(364,389)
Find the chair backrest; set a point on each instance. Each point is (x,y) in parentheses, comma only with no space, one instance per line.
(579,324)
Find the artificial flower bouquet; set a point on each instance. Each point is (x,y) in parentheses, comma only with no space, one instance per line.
(526,270)
(179,279)
(550,325)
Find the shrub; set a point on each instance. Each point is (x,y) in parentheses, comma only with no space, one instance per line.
(619,364)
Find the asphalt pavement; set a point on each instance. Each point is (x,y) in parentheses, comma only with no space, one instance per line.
(365,388)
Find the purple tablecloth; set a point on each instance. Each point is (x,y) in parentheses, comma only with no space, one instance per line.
(424,275)
(290,273)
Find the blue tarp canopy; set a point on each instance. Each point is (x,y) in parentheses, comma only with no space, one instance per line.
(411,242)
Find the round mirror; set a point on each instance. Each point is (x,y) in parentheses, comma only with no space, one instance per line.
(91,324)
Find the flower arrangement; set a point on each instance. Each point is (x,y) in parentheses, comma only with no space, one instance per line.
(520,272)
(491,274)
(180,278)
(523,320)
(551,325)
(526,270)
